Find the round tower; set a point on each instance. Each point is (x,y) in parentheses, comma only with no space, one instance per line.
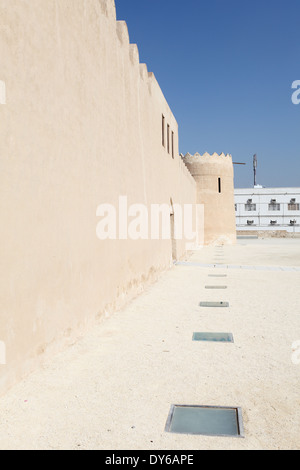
(215,190)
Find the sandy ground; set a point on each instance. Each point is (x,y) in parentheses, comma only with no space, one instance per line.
(113,389)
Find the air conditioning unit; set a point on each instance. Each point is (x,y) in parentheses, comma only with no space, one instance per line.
(293,222)
(273,222)
(249,201)
(293,201)
(250,222)
(273,201)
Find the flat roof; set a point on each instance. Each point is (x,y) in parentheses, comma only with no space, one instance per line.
(266,190)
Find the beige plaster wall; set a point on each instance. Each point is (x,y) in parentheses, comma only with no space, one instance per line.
(81,125)
(219,211)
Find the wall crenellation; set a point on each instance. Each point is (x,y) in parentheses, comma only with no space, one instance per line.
(144,72)
(134,54)
(123,36)
(108,7)
(122,32)
(198,156)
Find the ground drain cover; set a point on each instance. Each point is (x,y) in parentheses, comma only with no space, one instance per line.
(214,304)
(205,420)
(215,287)
(214,337)
(217,275)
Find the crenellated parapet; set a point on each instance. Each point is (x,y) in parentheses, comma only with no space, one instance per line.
(206,154)
(207,157)
(147,77)
(122,32)
(108,7)
(136,71)
(209,164)
(129,54)
(134,54)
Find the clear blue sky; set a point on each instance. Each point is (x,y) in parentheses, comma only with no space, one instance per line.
(226,68)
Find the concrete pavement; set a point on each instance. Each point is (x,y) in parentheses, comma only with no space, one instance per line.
(113,389)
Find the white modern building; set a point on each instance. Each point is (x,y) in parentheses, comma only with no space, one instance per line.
(268,209)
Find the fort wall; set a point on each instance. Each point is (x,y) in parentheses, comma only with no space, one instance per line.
(81,124)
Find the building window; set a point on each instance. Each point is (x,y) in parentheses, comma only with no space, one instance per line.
(173,154)
(274,206)
(235,207)
(163,130)
(250,207)
(168,138)
(219,185)
(293,206)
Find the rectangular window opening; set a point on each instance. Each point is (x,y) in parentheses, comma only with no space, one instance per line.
(274,206)
(219,185)
(173,154)
(249,207)
(163,131)
(168,138)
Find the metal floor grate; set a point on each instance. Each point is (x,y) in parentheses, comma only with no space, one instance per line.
(217,275)
(205,420)
(214,304)
(214,337)
(215,287)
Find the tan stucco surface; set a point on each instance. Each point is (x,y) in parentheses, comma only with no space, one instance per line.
(81,126)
